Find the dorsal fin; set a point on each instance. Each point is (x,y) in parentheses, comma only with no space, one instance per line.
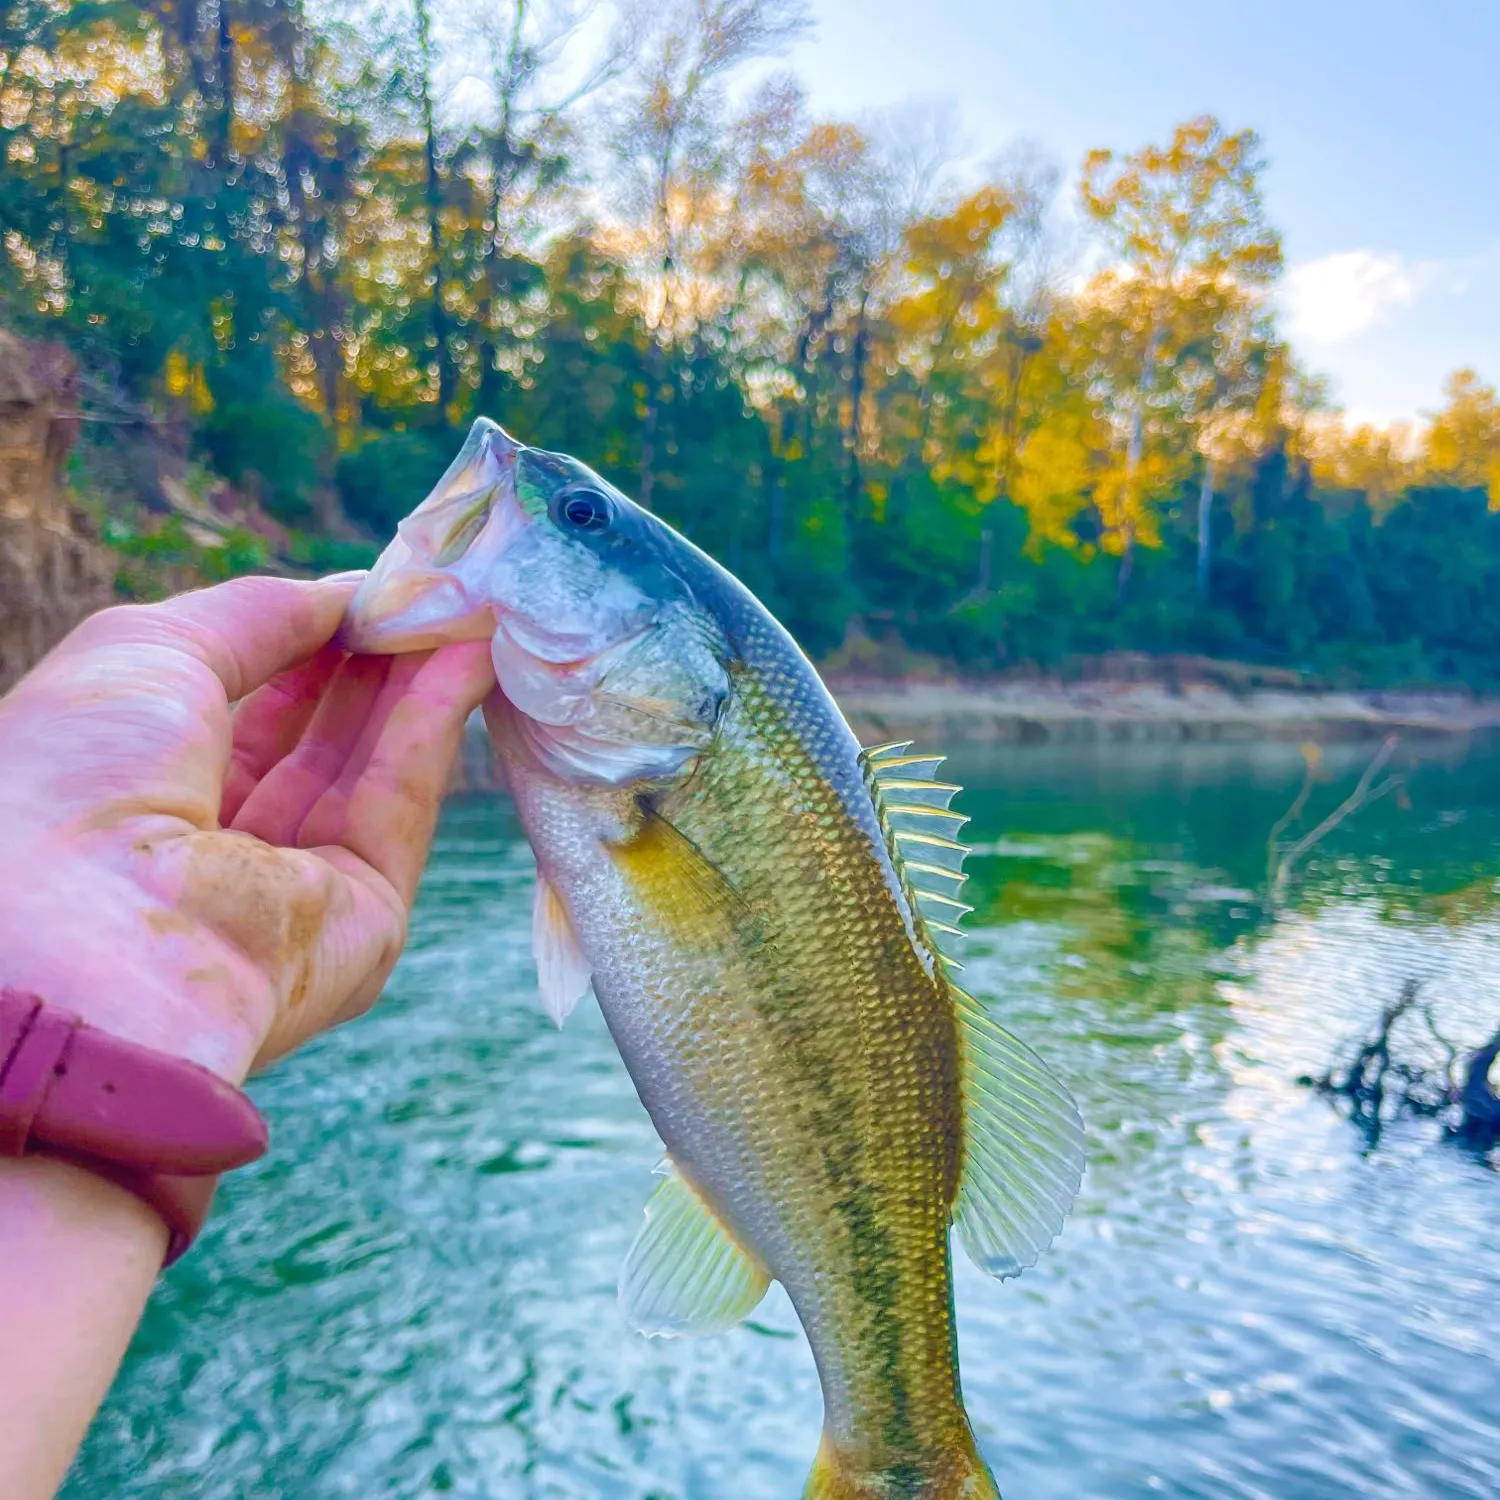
(914,816)
(1023,1138)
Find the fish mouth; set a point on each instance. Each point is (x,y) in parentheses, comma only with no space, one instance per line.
(411,608)
(441,579)
(428,587)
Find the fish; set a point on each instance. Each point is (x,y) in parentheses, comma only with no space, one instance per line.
(764,912)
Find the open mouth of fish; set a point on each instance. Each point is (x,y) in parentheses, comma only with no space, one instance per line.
(433,585)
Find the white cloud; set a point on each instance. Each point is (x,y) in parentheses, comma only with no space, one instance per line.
(1337,296)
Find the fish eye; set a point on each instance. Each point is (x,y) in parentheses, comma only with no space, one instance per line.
(586,510)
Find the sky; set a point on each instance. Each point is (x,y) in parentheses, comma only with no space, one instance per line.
(1380,122)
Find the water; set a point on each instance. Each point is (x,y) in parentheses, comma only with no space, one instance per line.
(414,1294)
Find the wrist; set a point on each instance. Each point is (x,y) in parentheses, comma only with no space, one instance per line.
(151,1123)
(78,1259)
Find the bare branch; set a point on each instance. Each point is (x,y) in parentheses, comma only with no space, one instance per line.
(1364,793)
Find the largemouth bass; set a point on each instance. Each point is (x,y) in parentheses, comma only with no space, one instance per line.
(761,909)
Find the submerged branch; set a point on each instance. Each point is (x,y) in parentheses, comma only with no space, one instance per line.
(1379,1086)
(1283,858)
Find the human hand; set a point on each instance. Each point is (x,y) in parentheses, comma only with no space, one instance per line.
(219,883)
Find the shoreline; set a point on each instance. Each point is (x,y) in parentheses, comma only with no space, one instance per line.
(1104,713)
(1115,712)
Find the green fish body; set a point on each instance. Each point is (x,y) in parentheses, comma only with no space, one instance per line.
(760,908)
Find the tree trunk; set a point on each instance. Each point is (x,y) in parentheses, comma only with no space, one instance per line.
(505,172)
(1020,348)
(853,475)
(650,421)
(434,195)
(776,497)
(1127,567)
(225,143)
(489,308)
(1205,528)
(1133,456)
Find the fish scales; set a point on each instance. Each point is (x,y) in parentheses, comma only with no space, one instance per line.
(857,1066)
(718,857)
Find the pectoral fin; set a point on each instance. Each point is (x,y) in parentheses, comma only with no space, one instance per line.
(563,974)
(687,893)
(1023,1147)
(686,1273)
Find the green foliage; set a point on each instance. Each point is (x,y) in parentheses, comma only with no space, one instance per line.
(270,448)
(155,560)
(271,255)
(382,479)
(328,554)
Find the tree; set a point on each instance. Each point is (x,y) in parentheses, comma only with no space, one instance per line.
(1378,463)
(1183,222)
(670,140)
(515,157)
(1463,441)
(815,238)
(293,247)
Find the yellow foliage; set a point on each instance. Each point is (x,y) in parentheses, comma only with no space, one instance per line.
(1190,206)
(1054,474)
(1128,501)
(184,380)
(1463,443)
(1461,447)
(1379,462)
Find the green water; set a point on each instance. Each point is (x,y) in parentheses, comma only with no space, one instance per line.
(414,1294)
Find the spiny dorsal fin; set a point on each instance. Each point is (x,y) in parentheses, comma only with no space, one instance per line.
(1023,1138)
(918,824)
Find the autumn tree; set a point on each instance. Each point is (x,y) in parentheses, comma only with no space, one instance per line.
(514,155)
(670,140)
(1186,228)
(295,247)
(1379,463)
(1463,440)
(809,227)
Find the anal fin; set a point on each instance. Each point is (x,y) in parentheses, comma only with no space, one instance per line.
(686,1273)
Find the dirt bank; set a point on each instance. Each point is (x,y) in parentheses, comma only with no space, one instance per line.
(52,571)
(1038,713)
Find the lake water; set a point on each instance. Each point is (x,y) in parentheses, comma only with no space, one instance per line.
(414,1294)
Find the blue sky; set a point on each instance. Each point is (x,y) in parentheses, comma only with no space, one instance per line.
(1381,123)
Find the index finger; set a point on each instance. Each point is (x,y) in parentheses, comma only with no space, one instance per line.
(268,724)
(386,804)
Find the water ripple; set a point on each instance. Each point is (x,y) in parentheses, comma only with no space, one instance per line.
(414,1294)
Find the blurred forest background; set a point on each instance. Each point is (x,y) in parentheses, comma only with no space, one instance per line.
(938,417)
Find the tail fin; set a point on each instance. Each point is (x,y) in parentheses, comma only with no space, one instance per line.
(958,1473)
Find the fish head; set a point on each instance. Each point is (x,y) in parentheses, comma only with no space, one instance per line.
(613,669)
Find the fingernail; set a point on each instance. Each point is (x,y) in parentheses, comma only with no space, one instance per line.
(350,575)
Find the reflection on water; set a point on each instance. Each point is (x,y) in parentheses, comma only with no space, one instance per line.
(414,1295)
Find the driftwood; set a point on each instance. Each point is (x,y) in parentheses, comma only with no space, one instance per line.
(1379,1087)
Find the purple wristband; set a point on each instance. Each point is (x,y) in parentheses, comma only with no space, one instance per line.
(159,1126)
